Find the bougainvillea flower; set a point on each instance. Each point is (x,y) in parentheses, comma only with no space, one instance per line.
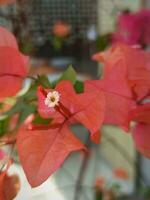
(117,105)
(121,173)
(87,108)
(43,149)
(133,75)
(61,29)
(14,69)
(5,2)
(141,137)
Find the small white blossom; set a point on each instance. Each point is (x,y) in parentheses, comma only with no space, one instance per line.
(52,99)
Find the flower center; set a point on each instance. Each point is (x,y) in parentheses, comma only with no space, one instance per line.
(52,99)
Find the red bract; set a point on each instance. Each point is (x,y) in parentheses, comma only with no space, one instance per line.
(13,65)
(42,152)
(87,108)
(122,66)
(9,186)
(7,38)
(117,105)
(141,137)
(126,80)
(141,132)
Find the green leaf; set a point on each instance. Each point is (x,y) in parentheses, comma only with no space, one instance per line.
(4,122)
(15,109)
(98,195)
(44,81)
(27,109)
(31,94)
(79,87)
(39,120)
(69,74)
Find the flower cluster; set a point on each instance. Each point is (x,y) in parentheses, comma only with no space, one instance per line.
(43,114)
(126,83)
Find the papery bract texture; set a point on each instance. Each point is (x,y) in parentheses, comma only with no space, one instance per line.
(117,105)
(129,76)
(7,38)
(9,186)
(140,113)
(14,65)
(42,152)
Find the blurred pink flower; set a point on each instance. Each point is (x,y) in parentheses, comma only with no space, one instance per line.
(121,173)
(61,29)
(133,28)
(100,183)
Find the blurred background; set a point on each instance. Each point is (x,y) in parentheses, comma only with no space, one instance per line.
(60,33)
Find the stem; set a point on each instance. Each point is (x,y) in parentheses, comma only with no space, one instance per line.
(65,110)
(43,127)
(31,77)
(138,172)
(61,112)
(82,171)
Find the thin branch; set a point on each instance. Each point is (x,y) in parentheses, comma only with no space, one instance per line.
(82,171)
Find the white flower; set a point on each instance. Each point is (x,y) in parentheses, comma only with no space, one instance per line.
(52,99)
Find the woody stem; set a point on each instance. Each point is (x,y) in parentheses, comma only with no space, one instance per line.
(82,172)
